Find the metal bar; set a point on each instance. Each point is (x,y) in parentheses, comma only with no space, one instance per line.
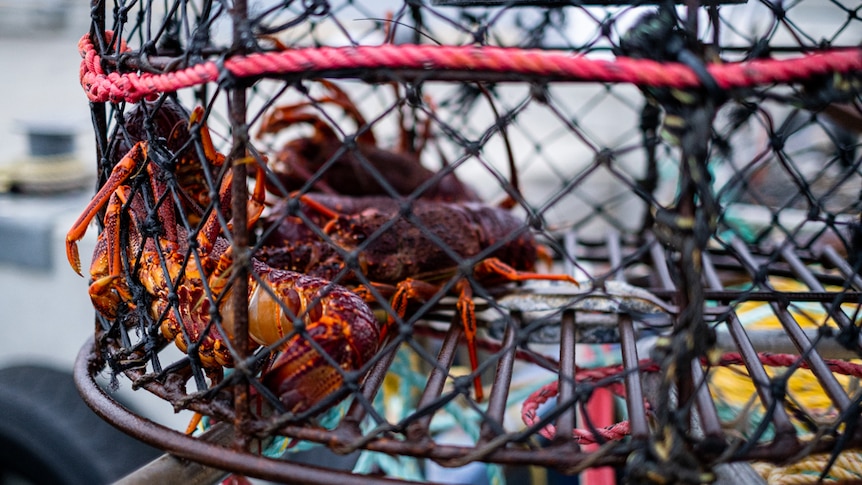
(628,348)
(98,111)
(797,335)
(660,264)
(818,367)
(568,338)
(707,413)
(569,3)
(170,470)
(372,384)
(418,430)
(808,278)
(566,386)
(502,380)
(612,239)
(190,448)
(783,426)
(839,262)
(706,406)
(635,398)
(570,244)
(834,311)
(239,213)
(777,342)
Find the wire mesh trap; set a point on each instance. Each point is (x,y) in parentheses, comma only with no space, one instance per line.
(565,235)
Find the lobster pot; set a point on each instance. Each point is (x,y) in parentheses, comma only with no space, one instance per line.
(621,241)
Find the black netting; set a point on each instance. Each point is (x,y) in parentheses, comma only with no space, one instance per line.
(387,221)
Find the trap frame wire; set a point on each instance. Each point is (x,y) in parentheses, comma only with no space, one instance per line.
(674,266)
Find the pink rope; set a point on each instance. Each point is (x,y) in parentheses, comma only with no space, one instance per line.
(101,86)
(529,415)
(620,430)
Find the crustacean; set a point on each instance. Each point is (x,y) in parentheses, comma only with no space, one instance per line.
(357,167)
(406,259)
(176,153)
(293,313)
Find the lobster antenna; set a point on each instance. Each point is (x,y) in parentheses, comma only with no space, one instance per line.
(509,201)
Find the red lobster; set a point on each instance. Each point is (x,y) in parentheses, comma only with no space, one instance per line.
(408,259)
(353,170)
(337,320)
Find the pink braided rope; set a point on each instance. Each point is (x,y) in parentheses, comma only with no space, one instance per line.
(529,415)
(101,86)
(620,430)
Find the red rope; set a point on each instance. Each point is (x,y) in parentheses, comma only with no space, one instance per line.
(529,415)
(529,409)
(101,86)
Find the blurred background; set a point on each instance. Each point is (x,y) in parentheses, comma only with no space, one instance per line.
(46,178)
(39,54)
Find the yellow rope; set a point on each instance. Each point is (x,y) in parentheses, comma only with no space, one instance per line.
(848,466)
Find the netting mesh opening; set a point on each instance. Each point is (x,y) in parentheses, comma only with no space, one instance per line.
(565,236)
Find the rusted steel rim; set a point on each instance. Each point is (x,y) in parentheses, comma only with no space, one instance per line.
(190,448)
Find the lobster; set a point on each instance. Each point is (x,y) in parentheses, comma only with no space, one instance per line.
(335,319)
(177,156)
(356,169)
(406,259)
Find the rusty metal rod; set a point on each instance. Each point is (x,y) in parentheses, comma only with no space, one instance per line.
(707,413)
(566,386)
(237,107)
(418,430)
(190,448)
(811,281)
(502,381)
(710,424)
(628,347)
(635,397)
(660,262)
(818,367)
(372,384)
(783,426)
(777,342)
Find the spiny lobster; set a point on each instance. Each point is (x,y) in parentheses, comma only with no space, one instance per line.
(354,168)
(407,259)
(280,302)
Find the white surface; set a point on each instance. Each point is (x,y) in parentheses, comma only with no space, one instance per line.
(46,317)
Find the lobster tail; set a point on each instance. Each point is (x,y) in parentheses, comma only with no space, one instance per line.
(301,377)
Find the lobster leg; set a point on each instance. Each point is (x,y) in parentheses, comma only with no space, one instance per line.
(485,270)
(126,167)
(285,116)
(210,153)
(490,269)
(467,311)
(494,268)
(407,291)
(105,292)
(365,292)
(211,228)
(418,290)
(339,98)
